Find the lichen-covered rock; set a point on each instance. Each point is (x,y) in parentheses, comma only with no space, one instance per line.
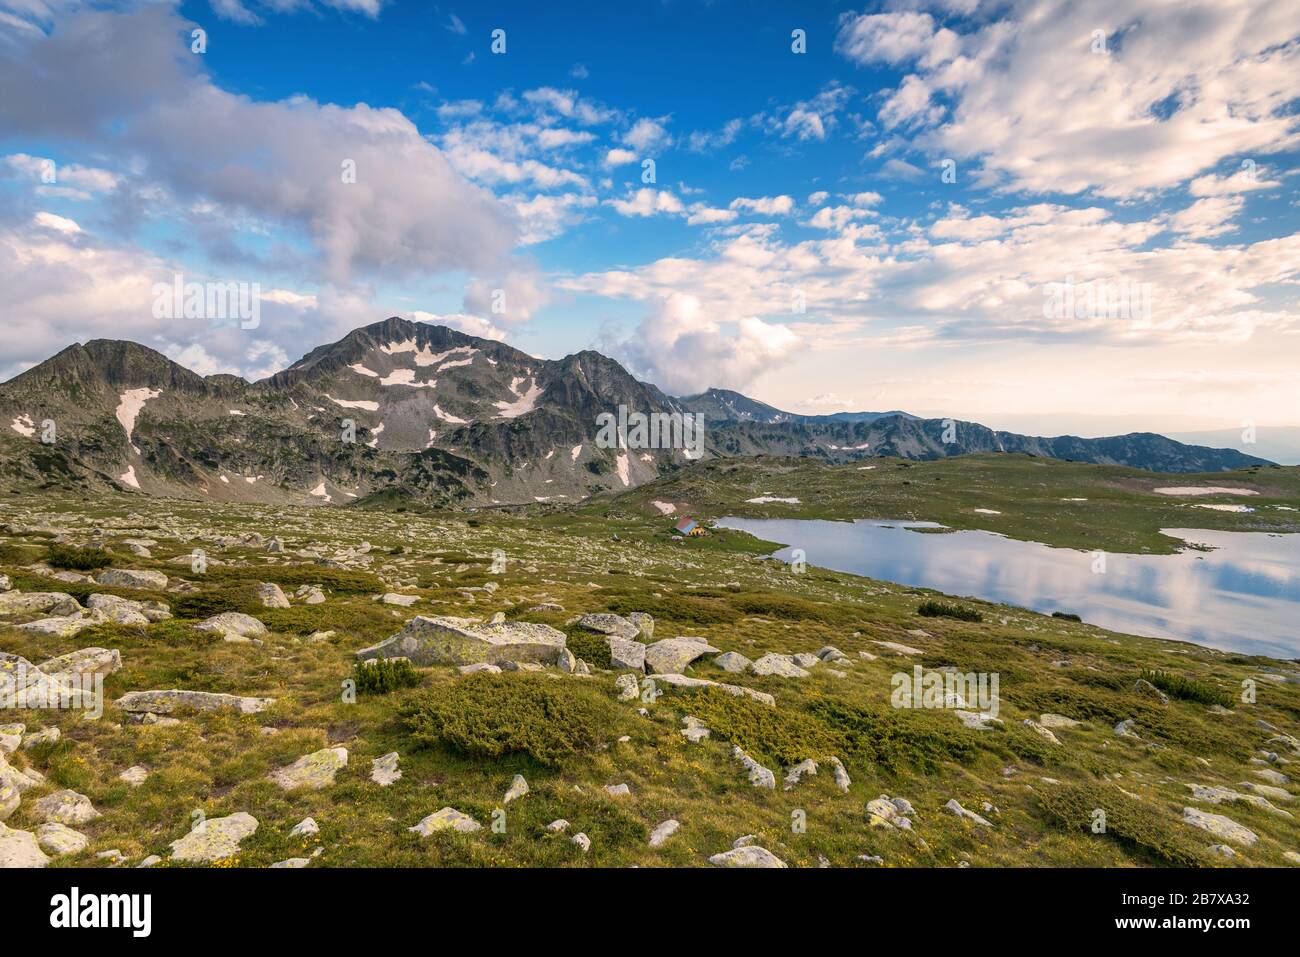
(65,807)
(445,640)
(127,611)
(87,661)
(686,683)
(313,771)
(233,626)
(782,666)
(671,655)
(644,622)
(20,849)
(607,624)
(37,603)
(627,686)
(214,839)
(63,626)
(626,653)
(733,661)
(1220,826)
(9,801)
(384,770)
(132,578)
(272,595)
(447,818)
(165,702)
(750,855)
(59,839)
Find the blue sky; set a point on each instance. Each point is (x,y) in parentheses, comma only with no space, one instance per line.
(799,240)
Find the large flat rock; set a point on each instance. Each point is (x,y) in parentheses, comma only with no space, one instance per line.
(445,640)
(165,702)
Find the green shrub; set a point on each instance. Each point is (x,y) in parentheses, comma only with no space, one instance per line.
(490,716)
(590,647)
(943,609)
(1188,689)
(1141,830)
(771,605)
(1066,616)
(894,739)
(213,600)
(775,736)
(77,559)
(383,675)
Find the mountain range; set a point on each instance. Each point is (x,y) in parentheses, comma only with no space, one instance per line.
(402,411)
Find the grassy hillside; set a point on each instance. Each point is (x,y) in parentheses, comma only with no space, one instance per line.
(1039,797)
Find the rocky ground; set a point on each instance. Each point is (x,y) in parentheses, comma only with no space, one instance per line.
(585,689)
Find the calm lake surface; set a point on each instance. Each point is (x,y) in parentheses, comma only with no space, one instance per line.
(1242,596)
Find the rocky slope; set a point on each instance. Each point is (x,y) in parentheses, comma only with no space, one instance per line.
(402,411)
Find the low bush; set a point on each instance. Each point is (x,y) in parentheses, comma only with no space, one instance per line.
(1066,616)
(514,713)
(1141,830)
(1188,689)
(943,609)
(77,559)
(590,647)
(384,675)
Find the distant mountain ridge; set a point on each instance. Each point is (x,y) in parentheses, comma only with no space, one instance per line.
(399,410)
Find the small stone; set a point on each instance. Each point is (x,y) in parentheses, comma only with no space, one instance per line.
(47,736)
(841,776)
(618,790)
(233,626)
(305,828)
(759,776)
(134,776)
(783,666)
(628,687)
(733,662)
(446,819)
(214,839)
(582,840)
(749,856)
(65,807)
(314,771)
(796,774)
(558,826)
(518,788)
(695,731)
(384,770)
(664,831)
(966,815)
(271,595)
(59,839)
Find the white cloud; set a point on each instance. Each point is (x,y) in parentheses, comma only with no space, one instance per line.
(648,136)
(1182,88)
(683,350)
(764,205)
(618,157)
(1207,217)
(648,202)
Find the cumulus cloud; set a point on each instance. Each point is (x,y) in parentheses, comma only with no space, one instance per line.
(684,350)
(648,136)
(120,83)
(1178,89)
(648,202)
(764,205)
